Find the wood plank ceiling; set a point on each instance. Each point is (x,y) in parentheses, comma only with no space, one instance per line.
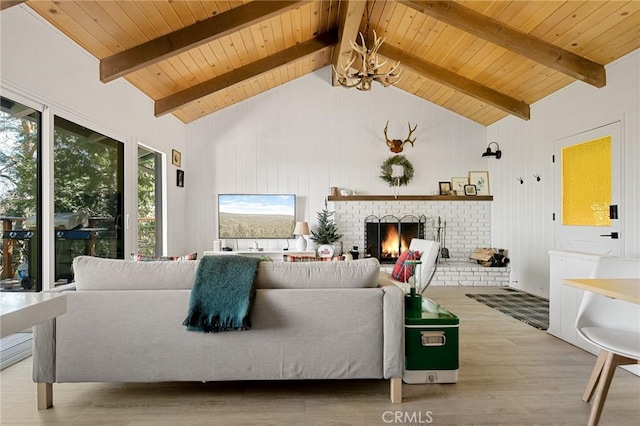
(481,59)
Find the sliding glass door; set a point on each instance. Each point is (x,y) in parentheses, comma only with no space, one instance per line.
(20,205)
(88,196)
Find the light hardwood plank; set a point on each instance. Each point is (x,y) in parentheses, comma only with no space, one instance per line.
(108,23)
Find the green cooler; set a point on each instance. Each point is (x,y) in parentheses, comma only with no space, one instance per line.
(431,345)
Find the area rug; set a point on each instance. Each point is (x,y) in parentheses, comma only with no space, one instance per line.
(530,309)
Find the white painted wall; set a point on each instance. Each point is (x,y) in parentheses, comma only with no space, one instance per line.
(522,214)
(306,136)
(43,65)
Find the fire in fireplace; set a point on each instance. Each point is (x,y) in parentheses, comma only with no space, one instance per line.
(385,238)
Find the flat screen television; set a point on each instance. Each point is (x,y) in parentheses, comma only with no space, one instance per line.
(256,216)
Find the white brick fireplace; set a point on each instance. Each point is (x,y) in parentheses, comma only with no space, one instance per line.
(468,226)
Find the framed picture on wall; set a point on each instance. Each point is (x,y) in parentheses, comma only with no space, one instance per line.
(176,158)
(180,178)
(481,181)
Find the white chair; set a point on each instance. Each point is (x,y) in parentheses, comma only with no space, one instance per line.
(429,254)
(612,325)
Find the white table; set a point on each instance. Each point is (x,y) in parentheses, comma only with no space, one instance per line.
(23,310)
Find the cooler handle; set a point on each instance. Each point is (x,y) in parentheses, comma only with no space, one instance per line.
(433,338)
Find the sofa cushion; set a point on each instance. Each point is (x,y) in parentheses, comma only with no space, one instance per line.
(361,273)
(94,273)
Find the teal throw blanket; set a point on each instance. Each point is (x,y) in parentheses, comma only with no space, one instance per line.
(222,294)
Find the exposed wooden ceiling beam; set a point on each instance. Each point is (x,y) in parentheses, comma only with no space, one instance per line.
(457,82)
(524,44)
(6,4)
(202,32)
(247,72)
(348,26)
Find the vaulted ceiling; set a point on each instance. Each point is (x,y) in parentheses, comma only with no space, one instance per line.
(481,59)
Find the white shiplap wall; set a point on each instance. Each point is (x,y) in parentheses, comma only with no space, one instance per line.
(306,136)
(522,214)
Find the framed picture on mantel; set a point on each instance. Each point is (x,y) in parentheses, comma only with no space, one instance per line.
(458,183)
(481,181)
(470,190)
(445,188)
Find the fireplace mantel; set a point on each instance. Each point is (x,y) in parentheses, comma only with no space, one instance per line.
(411,198)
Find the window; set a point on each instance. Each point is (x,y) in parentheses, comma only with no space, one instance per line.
(149,202)
(586,196)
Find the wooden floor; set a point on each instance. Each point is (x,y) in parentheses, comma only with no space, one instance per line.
(510,374)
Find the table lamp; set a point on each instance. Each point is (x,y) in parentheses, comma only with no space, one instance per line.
(301,229)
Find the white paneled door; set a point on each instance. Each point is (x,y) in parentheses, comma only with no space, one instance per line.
(588,170)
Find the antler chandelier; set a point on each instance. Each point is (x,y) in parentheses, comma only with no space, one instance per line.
(370,65)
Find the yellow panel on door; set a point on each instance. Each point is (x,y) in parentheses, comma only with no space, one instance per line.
(586,183)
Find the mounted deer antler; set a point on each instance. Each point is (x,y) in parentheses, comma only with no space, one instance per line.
(396,145)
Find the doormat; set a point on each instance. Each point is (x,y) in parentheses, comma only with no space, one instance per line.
(530,309)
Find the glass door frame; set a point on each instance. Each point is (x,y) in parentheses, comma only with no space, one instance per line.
(41,170)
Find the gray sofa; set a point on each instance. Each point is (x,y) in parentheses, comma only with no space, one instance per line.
(315,320)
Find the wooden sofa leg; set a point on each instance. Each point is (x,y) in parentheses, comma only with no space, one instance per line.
(45,396)
(396,390)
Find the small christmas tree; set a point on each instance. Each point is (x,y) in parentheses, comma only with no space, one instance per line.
(327,230)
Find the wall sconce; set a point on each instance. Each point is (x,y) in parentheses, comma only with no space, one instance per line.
(489,153)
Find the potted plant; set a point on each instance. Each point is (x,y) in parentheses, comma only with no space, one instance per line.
(327,232)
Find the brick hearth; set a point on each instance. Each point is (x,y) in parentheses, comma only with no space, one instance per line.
(468,227)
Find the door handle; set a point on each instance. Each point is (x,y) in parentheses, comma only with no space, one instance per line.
(613,235)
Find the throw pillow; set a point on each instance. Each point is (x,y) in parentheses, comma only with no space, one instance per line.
(402,272)
(143,258)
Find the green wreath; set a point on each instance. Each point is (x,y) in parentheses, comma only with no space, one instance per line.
(386,170)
